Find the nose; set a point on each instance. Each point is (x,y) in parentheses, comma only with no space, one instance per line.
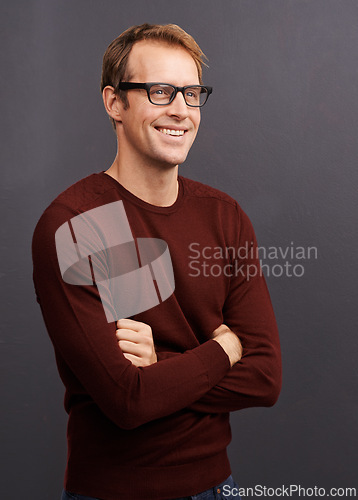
(178,107)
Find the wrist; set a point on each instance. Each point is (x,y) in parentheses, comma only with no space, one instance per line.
(231,345)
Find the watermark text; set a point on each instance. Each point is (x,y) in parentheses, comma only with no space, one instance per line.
(249,260)
(293,491)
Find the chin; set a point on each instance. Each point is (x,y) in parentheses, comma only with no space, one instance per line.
(169,159)
(176,160)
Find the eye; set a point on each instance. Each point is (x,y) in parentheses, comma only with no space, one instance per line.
(161,91)
(192,93)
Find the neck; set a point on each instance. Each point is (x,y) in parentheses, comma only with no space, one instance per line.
(156,186)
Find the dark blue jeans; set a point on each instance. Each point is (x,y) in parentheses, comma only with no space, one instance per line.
(227,490)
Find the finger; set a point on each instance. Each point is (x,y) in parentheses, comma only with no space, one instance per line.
(131,348)
(124,334)
(130,324)
(134,359)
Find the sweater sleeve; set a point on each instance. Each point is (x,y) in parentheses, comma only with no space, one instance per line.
(86,344)
(256,379)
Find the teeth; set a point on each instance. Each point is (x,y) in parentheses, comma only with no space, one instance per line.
(168,131)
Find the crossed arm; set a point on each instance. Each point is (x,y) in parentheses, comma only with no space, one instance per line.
(254,378)
(136,342)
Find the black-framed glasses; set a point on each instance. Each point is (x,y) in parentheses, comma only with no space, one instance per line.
(162,94)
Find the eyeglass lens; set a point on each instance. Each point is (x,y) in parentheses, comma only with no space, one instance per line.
(162,94)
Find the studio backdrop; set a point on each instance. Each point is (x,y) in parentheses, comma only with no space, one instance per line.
(279,134)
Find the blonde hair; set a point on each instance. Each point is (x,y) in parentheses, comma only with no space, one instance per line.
(115,59)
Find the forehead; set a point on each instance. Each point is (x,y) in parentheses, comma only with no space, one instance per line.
(157,61)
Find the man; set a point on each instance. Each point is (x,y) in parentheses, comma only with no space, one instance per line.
(149,395)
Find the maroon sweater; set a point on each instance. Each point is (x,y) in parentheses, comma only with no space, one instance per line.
(159,432)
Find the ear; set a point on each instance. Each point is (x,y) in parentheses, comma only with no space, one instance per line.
(112,103)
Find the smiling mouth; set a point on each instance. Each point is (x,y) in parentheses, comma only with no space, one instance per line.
(168,131)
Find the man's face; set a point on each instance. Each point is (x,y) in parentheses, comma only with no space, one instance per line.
(146,134)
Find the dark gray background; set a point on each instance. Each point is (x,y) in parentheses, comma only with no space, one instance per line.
(279,134)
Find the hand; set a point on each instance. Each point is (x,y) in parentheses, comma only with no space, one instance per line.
(229,341)
(135,340)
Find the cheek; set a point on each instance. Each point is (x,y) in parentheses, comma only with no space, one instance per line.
(150,116)
(197,119)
